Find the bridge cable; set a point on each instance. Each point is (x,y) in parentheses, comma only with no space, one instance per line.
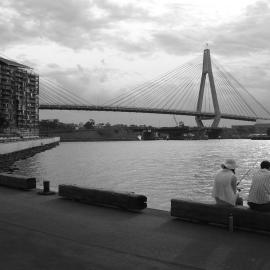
(149,85)
(237,92)
(63,92)
(152,82)
(221,92)
(160,86)
(64,98)
(247,92)
(172,90)
(225,90)
(176,90)
(186,94)
(186,89)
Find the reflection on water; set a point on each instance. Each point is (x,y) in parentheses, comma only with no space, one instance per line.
(159,169)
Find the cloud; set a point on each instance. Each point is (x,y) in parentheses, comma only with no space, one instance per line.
(250,34)
(129,26)
(84,24)
(71,23)
(179,43)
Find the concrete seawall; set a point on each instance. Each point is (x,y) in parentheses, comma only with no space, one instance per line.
(10,152)
(11,147)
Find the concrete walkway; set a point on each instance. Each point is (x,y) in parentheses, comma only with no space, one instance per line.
(47,232)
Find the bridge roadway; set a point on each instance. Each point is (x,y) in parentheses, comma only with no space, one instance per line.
(205,115)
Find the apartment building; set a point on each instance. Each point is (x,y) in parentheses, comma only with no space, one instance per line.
(19,99)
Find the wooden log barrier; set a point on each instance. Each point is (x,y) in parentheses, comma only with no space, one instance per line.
(17,181)
(243,217)
(124,200)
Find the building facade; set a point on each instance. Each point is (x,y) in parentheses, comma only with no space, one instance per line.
(19,99)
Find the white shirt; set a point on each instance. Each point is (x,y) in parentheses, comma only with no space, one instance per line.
(222,189)
(260,187)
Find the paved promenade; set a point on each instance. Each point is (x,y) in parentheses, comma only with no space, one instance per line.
(47,232)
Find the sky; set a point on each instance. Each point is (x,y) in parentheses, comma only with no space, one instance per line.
(99,48)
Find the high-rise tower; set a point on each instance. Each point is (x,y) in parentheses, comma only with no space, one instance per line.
(19,99)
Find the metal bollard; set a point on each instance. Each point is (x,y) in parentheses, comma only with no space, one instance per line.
(46,186)
(46,189)
(230,223)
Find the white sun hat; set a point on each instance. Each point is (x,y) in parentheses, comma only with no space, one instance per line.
(230,164)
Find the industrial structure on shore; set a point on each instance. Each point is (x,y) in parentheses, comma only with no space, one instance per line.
(19,99)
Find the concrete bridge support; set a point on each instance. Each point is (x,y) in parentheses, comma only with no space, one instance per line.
(207,69)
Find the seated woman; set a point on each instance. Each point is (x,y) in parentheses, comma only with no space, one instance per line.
(224,190)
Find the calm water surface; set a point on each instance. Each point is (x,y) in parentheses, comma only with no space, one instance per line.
(159,169)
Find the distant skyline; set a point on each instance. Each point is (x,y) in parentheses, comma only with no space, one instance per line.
(97,48)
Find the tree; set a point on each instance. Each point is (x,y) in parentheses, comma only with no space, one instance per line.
(90,124)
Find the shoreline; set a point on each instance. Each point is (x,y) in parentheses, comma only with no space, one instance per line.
(12,151)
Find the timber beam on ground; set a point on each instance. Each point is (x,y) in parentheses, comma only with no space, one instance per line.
(239,217)
(124,200)
(17,181)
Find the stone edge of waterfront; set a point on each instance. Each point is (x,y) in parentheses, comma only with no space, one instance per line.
(8,159)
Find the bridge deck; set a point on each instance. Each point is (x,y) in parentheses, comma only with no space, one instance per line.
(208,115)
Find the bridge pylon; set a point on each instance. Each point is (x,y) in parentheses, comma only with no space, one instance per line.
(207,69)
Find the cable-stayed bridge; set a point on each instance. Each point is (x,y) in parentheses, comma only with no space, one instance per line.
(200,88)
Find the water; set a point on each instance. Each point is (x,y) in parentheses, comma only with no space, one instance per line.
(161,170)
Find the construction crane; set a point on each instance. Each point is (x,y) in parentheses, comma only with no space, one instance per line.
(178,124)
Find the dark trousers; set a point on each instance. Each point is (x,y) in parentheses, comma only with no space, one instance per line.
(265,207)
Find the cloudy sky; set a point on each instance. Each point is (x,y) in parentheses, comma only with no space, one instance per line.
(97,48)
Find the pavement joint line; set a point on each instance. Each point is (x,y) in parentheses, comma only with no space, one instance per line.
(101,247)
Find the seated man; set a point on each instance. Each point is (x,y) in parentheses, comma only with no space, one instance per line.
(259,193)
